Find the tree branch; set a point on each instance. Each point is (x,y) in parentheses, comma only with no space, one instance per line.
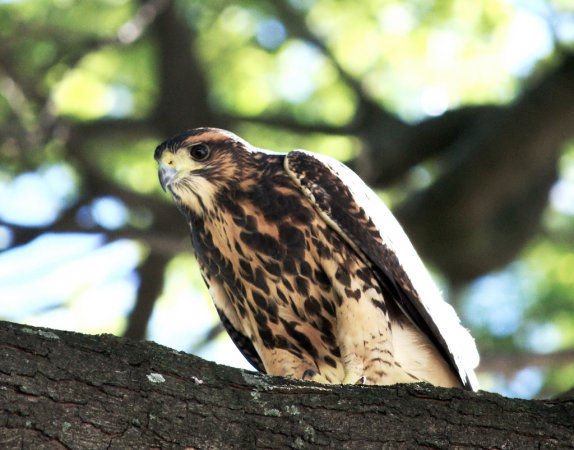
(182,97)
(491,196)
(292,124)
(62,389)
(510,363)
(151,274)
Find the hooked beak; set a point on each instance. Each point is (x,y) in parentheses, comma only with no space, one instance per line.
(166,174)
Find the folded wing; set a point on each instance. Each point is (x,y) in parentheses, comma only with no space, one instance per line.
(349,206)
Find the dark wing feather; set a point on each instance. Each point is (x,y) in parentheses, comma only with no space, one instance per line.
(364,221)
(242,342)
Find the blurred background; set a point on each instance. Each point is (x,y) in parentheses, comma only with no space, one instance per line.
(460,114)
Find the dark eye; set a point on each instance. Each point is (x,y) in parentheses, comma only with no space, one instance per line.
(199,152)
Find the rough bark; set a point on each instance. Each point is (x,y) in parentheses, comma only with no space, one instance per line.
(67,390)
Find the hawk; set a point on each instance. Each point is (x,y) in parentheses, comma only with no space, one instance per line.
(312,276)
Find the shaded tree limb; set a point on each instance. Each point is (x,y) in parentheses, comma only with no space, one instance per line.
(429,139)
(165,244)
(490,199)
(289,123)
(510,363)
(151,274)
(182,100)
(66,389)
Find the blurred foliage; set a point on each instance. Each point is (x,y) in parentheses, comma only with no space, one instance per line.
(68,64)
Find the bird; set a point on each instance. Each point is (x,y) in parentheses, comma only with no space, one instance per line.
(312,276)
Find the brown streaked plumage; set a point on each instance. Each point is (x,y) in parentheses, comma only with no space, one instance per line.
(311,274)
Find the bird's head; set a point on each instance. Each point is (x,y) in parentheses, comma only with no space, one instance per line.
(197,164)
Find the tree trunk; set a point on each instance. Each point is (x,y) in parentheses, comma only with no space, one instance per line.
(67,390)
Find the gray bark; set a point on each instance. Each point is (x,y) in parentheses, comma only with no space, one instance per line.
(68,390)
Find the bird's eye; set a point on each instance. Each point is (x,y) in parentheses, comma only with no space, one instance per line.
(199,152)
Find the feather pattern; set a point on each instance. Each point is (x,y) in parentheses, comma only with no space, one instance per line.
(366,224)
